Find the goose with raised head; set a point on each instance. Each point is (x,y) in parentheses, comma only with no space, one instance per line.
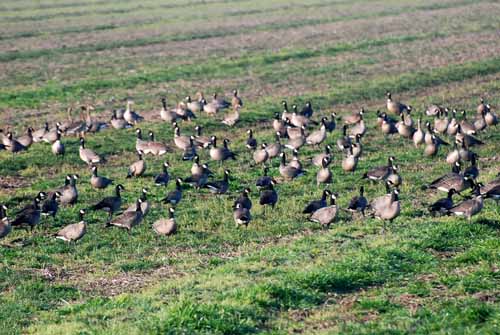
(111,204)
(131,116)
(29,216)
(465,126)
(87,155)
(332,123)
(386,207)
(232,118)
(117,123)
(317,137)
(166,227)
(326,215)
(241,215)
(219,186)
(443,205)
(418,135)
(354,118)
(5,225)
(39,133)
(236,99)
(12,144)
(324,174)
(261,156)
(441,122)
(480,122)
(265,180)
(314,205)
(128,219)
(491,118)
(381,172)
(453,180)
(345,141)
(75,231)
(163,178)
(27,139)
(51,205)
(268,196)
(181,141)
(97,181)
(453,125)
(69,192)
(274,149)
(251,142)
(194,106)
(318,159)
(244,199)
(469,208)
(395,107)
(286,171)
(166,114)
(404,130)
(200,140)
(137,168)
(358,203)
(350,161)
(279,125)
(175,196)
(57,147)
(145,205)
(307,110)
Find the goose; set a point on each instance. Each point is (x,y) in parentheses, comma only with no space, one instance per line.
(265,180)
(317,137)
(166,114)
(286,113)
(274,149)
(468,140)
(314,205)
(358,203)
(220,186)
(298,120)
(453,180)
(295,143)
(140,144)
(88,155)
(408,120)
(388,127)
(244,199)
(182,142)
(51,136)
(358,129)
(231,119)
(91,124)
(200,140)
(324,175)
(354,118)
(490,118)
(318,159)
(394,178)
(431,149)
(268,197)
(418,135)
(307,110)
(470,207)
(57,147)
(443,205)
(39,133)
(472,171)
(75,231)
(261,156)
(163,178)
(175,196)
(453,156)
(395,107)
(386,207)
(69,192)
(137,168)
(145,205)
(345,141)
(29,216)
(194,106)
(482,107)
(433,110)
(241,215)
(236,100)
(441,122)
(326,215)
(357,147)
(5,225)
(381,172)
(196,168)
(453,125)
(166,227)
(117,123)
(190,152)
(99,182)
(278,124)
(199,180)
(131,116)
(403,129)
(491,185)
(467,127)
(110,204)
(50,206)
(431,138)
(331,124)
(128,220)
(492,193)
(480,122)
(210,108)
(293,132)
(251,143)
(295,162)
(286,171)
(350,161)
(13,145)
(184,113)
(153,147)
(220,103)
(27,139)
(221,154)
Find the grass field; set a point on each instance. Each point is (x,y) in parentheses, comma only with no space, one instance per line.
(283,274)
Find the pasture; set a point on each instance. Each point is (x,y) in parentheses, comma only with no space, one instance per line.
(282,274)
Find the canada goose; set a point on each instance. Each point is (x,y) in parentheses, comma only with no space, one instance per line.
(145,205)
(395,107)
(298,120)
(408,120)
(117,123)
(354,118)
(99,182)
(453,180)
(295,143)
(51,136)
(181,141)
(231,119)
(88,155)
(394,178)
(433,110)
(482,107)
(441,122)
(286,113)
(190,152)
(453,156)
(236,100)
(317,137)
(293,132)
(110,204)
(295,162)
(480,122)
(350,161)
(175,196)
(137,168)
(357,147)
(307,110)
(403,129)
(201,141)
(268,196)
(128,220)
(381,172)
(29,216)
(163,178)
(491,185)
(453,125)
(199,180)
(13,145)
(288,172)
(220,102)
(358,203)
(140,144)
(324,175)
(358,129)
(472,171)
(431,149)
(467,127)
(443,205)
(490,118)
(431,138)
(492,193)
(278,124)
(168,226)
(166,114)
(241,215)
(244,199)
(251,143)
(331,124)
(261,156)
(388,127)
(220,186)
(326,215)
(468,140)
(153,147)
(221,154)
(50,206)
(69,192)
(314,205)
(39,133)
(318,159)
(345,141)
(57,147)
(196,168)
(386,207)
(210,108)
(265,180)
(470,207)
(74,231)
(194,106)
(27,139)
(130,116)
(274,149)
(418,135)
(5,225)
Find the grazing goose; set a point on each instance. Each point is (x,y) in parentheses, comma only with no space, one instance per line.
(331,124)
(57,147)
(453,180)
(194,106)
(145,205)
(251,143)
(236,100)
(27,139)
(137,168)
(128,220)
(470,207)
(110,204)
(231,119)
(99,182)
(381,172)
(354,118)
(69,192)
(88,155)
(396,107)
(175,196)
(326,215)
(453,125)
(39,133)
(5,226)
(265,180)
(244,199)
(386,207)
(75,231)
(288,172)
(220,186)
(221,154)
(168,226)
(200,140)
(307,110)
(418,135)
(274,149)
(241,215)
(166,114)
(443,205)
(278,124)
(130,116)
(317,137)
(358,203)
(182,142)
(345,141)
(350,161)
(29,216)
(153,147)
(314,205)
(491,185)
(117,123)
(324,175)
(295,162)
(13,145)
(268,197)
(261,156)
(433,110)
(50,206)
(318,159)
(163,178)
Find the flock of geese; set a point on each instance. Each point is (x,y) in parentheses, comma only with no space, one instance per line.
(292,129)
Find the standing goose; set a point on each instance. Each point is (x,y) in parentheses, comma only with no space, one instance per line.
(181,141)
(293,132)
(467,127)
(57,147)
(88,155)
(51,135)
(166,227)
(441,122)
(298,120)
(288,172)
(358,129)
(221,154)
(345,141)
(268,197)
(194,106)
(155,148)
(131,116)
(480,122)
(69,192)
(29,216)
(27,139)
(431,149)
(453,180)
(332,123)
(356,147)
(314,205)
(490,118)
(13,145)
(117,123)
(470,207)
(196,168)
(220,186)
(396,107)
(201,141)
(278,124)
(261,156)
(128,220)
(358,203)
(468,140)
(251,143)
(137,168)
(326,215)
(199,179)
(386,207)
(231,119)
(394,178)
(418,135)
(166,114)
(190,152)
(381,172)
(39,133)
(350,161)
(472,171)
(324,175)
(482,107)
(354,118)
(433,110)
(317,137)
(75,231)
(236,100)
(50,206)
(307,110)
(244,199)
(163,178)
(99,182)
(453,156)
(453,125)
(265,180)
(220,102)
(404,130)
(175,196)
(295,162)
(140,144)
(296,142)
(388,127)
(241,215)
(286,113)
(443,205)
(274,149)
(464,153)
(145,205)
(111,204)
(210,108)
(318,159)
